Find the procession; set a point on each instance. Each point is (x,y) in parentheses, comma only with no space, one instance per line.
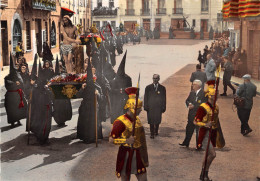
(93,102)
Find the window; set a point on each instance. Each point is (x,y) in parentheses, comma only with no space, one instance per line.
(193,22)
(46,28)
(146,4)
(99,3)
(178,3)
(17,33)
(53,34)
(130,4)
(205,5)
(111,3)
(28,35)
(161,4)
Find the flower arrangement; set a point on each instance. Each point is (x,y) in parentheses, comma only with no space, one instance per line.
(69,78)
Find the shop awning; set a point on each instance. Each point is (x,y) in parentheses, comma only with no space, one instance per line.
(241,8)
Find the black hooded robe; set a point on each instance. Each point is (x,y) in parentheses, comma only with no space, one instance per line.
(41,109)
(86,128)
(15,102)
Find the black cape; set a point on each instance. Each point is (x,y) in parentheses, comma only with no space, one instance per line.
(14,97)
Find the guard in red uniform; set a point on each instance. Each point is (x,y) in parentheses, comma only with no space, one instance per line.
(203,119)
(132,157)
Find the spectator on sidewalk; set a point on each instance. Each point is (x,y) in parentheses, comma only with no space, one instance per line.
(155,104)
(243,64)
(196,97)
(210,68)
(200,75)
(200,58)
(248,91)
(228,71)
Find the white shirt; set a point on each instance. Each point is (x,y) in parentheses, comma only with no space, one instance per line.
(197,94)
(197,91)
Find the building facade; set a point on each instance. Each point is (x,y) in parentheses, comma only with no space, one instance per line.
(34,22)
(104,11)
(151,13)
(30,22)
(243,19)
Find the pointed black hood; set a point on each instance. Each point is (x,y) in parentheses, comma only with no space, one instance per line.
(57,66)
(89,74)
(12,69)
(93,44)
(121,68)
(34,68)
(40,69)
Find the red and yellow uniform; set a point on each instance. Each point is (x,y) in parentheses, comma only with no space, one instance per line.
(203,116)
(129,154)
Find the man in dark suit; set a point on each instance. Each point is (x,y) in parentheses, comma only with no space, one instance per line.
(199,75)
(248,91)
(228,71)
(196,97)
(155,104)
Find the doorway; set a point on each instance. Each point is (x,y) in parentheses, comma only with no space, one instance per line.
(38,33)
(158,24)
(254,54)
(4,34)
(204,25)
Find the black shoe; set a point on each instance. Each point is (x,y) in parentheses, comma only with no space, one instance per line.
(152,137)
(247,132)
(19,123)
(224,94)
(182,144)
(12,125)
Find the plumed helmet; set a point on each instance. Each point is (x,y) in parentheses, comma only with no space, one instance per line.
(211,89)
(130,103)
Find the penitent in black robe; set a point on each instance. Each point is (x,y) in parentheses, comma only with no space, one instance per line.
(41,109)
(86,128)
(15,102)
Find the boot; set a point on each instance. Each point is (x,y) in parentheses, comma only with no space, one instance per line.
(206,177)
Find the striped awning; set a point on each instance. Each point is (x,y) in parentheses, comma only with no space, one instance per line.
(241,8)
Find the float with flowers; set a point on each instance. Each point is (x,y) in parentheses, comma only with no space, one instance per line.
(66,86)
(87,39)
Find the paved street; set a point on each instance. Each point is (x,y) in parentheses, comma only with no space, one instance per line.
(69,159)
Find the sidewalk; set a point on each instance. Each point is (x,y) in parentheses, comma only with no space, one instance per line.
(236,81)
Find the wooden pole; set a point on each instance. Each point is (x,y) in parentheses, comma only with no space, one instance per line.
(29,117)
(95,105)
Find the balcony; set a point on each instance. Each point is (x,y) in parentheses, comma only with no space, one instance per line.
(145,12)
(130,12)
(3,4)
(104,11)
(177,10)
(48,5)
(160,11)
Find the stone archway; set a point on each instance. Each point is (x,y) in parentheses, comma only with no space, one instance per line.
(16,31)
